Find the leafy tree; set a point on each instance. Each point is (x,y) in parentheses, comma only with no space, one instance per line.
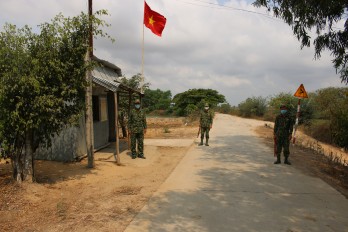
(224,108)
(196,97)
(306,113)
(332,104)
(190,109)
(304,15)
(134,83)
(253,106)
(42,85)
(157,99)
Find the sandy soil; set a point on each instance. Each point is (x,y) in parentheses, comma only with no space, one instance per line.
(71,197)
(308,160)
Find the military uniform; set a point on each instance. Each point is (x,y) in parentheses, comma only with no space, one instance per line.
(205,122)
(137,125)
(283,128)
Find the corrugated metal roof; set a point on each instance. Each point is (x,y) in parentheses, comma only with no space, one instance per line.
(106,77)
(105,73)
(110,85)
(108,65)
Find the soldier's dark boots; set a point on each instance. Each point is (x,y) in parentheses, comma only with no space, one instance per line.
(286,161)
(206,142)
(277,161)
(141,156)
(201,143)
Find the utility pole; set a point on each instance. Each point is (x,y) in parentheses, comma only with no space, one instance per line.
(89,111)
(117,142)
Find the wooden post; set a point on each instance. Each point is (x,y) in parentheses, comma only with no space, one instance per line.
(129,109)
(117,143)
(89,109)
(90,13)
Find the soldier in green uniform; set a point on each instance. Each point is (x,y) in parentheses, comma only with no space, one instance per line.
(283,127)
(205,123)
(137,128)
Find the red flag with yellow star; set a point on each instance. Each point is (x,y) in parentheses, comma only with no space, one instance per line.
(153,20)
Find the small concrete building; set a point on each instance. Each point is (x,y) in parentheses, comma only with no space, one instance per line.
(70,144)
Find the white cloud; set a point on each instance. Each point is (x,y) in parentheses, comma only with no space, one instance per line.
(238,53)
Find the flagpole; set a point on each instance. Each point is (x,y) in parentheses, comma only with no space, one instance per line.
(142,58)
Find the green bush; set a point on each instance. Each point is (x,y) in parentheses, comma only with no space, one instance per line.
(190,109)
(332,104)
(224,108)
(320,130)
(339,129)
(255,106)
(306,111)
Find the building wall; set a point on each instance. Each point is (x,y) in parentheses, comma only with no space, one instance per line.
(101,134)
(71,142)
(67,146)
(101,122)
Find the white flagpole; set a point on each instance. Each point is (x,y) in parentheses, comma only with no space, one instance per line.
(142,57)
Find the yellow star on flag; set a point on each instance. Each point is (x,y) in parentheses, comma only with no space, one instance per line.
(151,21)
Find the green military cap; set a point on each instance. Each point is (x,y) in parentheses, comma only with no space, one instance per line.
(206,105)
(282,106)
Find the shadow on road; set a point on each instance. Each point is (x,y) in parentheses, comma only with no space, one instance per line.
(243,191)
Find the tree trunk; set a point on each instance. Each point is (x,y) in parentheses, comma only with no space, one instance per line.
(28,158)
(23,163)
(89,122)
(18,168)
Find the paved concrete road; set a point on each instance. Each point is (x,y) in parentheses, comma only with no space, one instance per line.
(233,185)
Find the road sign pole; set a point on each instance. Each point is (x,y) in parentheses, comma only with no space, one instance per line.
(297,119)
(300,93)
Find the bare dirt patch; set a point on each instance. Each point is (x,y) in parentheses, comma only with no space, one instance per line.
(71,197)
(171,128)
(313,163)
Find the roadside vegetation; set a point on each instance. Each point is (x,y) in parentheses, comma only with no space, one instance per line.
(42,84)
(324,115)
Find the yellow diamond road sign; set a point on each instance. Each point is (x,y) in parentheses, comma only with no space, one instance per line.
(301,92)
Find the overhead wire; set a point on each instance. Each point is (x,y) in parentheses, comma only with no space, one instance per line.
(224,7)
(218,6)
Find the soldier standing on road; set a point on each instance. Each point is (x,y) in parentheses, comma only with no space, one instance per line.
(283,127)
(205,123)
(137,128)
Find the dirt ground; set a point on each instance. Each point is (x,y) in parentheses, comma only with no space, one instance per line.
(312,163)
(71,197)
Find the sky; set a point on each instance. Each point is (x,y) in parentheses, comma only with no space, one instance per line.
(226,45)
